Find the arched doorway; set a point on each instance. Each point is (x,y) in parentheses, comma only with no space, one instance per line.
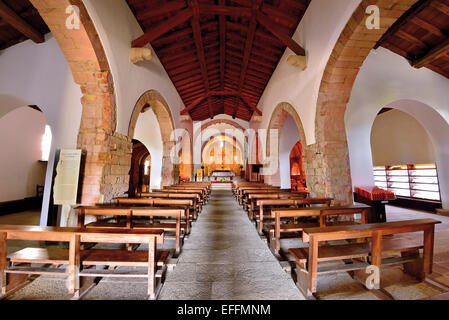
(432,124)
(331,148)
(297,172)
(140,173)
(23,164)
(152,124)
(285,126)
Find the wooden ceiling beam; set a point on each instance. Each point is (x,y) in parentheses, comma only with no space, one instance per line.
(195,22)
(247,51)
(434,54)
(225,10)
(194,104)
(416,9)
(163,28)
(275,30)
(222,26)
(17,22)
(161,10)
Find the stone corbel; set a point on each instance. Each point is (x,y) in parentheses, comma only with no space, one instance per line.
(140,54)
(297,61)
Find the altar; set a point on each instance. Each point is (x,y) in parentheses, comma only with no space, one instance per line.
(222,176)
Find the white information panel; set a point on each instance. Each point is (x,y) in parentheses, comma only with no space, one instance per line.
(67,177)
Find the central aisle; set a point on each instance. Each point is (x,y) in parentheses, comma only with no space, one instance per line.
(225,259)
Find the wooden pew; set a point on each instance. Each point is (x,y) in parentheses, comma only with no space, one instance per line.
(244,191)
(251,203)
(358,256)
(195,197)
(186,204)
(129,213)
(237,185)
(321,213)
(263,204)
(81,266)
(202,195)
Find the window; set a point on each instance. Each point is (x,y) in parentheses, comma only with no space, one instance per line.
(46,144)
(147,168)
(411,181)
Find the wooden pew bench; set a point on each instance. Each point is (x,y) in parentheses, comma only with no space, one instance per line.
(250,205)
(243,192)
(275,231)
(83,268)
(195,197)
(355,258)
(265,206)
(203,191)
(200,193)
(123,217)
(185,204)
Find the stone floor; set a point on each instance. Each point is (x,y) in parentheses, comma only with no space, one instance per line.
(225,259)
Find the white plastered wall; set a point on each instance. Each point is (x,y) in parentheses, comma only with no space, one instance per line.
(388,80)
(21,152)
(38,74)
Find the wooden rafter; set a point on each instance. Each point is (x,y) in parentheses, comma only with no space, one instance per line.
(13,19)
(161,9)
(193,4)
(275,30)
(435,53)
(222,23)
(410,14)
(218,54)
(247,52)
(163,28)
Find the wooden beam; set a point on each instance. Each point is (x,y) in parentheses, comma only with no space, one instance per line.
(193,4)
(194,104)
(13,19)
(207,9)
(247,51)
(161,9)
(275,30)
(416,9)
(163,28)
(222,26)
(434,54)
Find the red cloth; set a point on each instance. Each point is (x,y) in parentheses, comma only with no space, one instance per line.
(375,193)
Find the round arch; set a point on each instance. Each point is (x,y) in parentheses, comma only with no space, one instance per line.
(435,125)
(154,100)
(331,150)
(91,71)
(280,172)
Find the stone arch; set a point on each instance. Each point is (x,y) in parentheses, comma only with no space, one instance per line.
(331,149)
(280,114)
(154,100)
(90,69)
(221,121)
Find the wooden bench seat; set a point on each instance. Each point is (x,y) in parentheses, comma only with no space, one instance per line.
(322,213)
(354,250)
(375,249)
(59,256)
(128,213)
(289,227)
(76,264)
